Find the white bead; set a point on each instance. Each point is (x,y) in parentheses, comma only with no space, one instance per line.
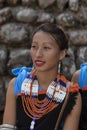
(32,124)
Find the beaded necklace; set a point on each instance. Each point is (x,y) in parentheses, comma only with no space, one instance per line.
(35,108)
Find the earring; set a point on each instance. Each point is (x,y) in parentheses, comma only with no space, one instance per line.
(59,67)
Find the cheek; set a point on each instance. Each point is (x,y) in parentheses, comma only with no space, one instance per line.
(55,55)
(55,58)
(32,54)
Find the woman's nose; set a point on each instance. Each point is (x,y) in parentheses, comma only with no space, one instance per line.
(39,52)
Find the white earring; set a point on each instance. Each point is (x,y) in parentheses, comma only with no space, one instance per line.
(33,67)
(59,67)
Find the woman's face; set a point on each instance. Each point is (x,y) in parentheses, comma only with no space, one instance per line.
(45,52)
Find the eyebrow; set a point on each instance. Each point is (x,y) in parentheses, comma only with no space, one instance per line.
(51,43)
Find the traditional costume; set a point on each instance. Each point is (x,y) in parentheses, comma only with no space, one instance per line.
(39,109)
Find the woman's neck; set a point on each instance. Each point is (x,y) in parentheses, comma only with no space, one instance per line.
(45,78)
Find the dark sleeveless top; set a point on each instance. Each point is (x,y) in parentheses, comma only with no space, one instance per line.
(48,121)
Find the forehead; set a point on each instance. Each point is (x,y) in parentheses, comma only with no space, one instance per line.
(43,36)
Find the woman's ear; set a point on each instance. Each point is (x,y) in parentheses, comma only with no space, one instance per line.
(63,54)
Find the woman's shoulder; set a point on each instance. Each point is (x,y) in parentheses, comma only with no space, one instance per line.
(10,88)
(75,76)
(77,73)
(83,76)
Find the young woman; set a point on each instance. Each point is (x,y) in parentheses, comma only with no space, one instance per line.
(80,77)
(41,98)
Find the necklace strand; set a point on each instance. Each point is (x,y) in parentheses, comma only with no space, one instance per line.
(35,108)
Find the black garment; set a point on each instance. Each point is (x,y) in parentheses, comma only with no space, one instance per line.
(83,119)
(48,121)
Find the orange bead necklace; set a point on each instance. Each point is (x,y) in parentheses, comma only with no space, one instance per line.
(36,108)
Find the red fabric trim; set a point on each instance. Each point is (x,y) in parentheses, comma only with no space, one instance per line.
(73,88)
(84,88)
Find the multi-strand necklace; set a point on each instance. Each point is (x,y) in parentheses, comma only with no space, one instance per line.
(35,108)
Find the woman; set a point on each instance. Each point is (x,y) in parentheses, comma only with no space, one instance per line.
(80,77)
(42,98)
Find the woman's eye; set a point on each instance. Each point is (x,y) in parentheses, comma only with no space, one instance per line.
(47,47)
(33,46)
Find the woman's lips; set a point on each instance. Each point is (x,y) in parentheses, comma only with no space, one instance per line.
(39,63)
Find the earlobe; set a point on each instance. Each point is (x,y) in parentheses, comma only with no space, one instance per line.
(62,54)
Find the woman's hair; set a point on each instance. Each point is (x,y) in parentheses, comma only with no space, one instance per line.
(56,32)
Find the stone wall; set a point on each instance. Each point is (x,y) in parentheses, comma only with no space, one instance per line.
(18,18)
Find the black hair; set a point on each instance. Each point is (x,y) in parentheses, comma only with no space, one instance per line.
(56,32)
